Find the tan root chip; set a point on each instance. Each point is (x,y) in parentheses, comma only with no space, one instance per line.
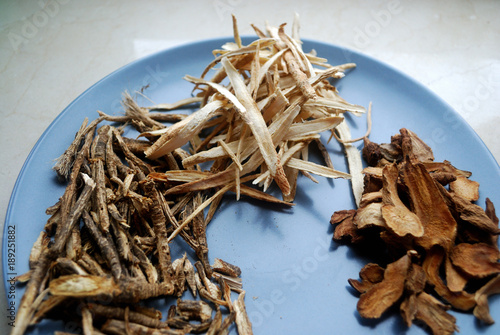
(378,298)
(370,216)
(477,260)
(474,215)
(242,321)
(370,275)
(466,188)
(345,227)
(433,313)
(414,147)
(439,225)
(432,263)
(397,216)
(226,268)
(369,197)
(482,309)
(455,278)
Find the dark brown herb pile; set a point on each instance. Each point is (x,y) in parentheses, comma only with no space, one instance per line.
(105,248)
(440,247)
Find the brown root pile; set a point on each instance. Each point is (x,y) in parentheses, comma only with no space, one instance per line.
(105,249)
(441,248)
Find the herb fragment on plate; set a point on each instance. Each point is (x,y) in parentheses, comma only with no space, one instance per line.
(439,245)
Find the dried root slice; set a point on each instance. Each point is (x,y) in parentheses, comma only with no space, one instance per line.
(101,287)
(354,161)
(370,275)
(438,222)
(397,216)
(118,327)
(482,309)
(432,312)
(370,216)
(432,263)
(478,260)
(242,321)
(465,188)
(345,228)
(148,318)
(194,310)
(226,268)
(382,295)
(180,133)
(413,147)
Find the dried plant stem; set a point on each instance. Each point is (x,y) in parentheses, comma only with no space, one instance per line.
(198,210)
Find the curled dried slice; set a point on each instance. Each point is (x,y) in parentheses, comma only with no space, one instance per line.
(370,216)
(413,147)
(369,197)
(482,309)
(242,320)
(433,313)
(345,229)
(474,215)
(226,268)
(477,260)
(378,298)
(181,132)
(432,263)
(455,278)
(465,188)
(439,225)
(370,275)
(397,216)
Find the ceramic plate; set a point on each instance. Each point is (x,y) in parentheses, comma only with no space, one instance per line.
(294,275)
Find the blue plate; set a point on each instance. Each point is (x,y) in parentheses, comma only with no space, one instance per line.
(295,277)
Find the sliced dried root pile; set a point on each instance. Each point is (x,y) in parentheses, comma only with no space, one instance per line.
(442,247)
(105,248)
(276,100)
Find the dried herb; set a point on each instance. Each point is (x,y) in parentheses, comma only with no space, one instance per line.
(105,248)
(439,245)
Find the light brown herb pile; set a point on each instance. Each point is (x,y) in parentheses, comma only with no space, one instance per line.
(276,102)
(441,248)
(106,247)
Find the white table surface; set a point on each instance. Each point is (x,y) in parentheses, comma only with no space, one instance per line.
(52,51)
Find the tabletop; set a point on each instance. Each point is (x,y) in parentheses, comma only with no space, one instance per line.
(51,51)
